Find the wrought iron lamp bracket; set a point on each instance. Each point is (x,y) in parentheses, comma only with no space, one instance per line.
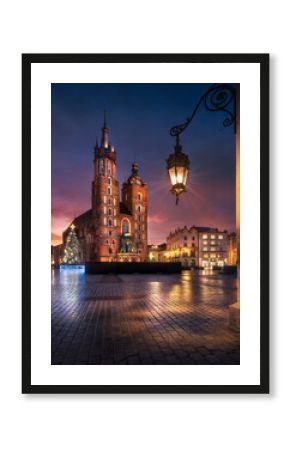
(216,99)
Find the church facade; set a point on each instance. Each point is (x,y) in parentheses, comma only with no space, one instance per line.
(115,228)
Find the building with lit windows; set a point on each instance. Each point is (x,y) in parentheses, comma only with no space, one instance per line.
(213,248)
(197,247)
(157,253)
(182,246)
(113,229)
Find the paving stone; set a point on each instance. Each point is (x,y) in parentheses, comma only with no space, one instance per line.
(176,320)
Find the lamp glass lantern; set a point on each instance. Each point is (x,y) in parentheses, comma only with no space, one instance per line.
(178,168)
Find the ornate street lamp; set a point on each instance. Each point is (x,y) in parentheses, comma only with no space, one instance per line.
(178,167)
(218,97)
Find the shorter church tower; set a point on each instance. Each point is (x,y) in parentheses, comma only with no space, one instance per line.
(135,199)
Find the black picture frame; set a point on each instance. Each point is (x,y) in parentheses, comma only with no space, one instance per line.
(27,61)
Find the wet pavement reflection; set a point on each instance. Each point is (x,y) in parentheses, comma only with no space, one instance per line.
(143,319)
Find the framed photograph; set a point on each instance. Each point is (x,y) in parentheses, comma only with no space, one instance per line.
(145,223)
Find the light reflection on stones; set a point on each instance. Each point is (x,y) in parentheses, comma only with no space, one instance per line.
(159,319)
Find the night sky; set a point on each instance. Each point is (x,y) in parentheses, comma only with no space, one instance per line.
(139,117)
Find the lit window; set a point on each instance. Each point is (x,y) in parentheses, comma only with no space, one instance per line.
(212,236)
(105,210)
(105,220)
(221,236)
(204,236)
(105,199)
(114,201)
(204,249)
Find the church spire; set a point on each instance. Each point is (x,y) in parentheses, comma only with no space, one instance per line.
(105,132)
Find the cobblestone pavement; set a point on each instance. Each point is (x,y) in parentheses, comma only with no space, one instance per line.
(142,319)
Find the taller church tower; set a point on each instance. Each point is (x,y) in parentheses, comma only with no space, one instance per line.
(105,199)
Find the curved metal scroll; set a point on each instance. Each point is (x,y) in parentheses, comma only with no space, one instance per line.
(217,98)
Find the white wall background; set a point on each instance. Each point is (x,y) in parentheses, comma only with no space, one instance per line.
(130,422)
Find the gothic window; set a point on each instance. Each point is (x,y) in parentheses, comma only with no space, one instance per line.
(139,208)
(125,226)
(110,251)
(101,166)
(109,180)
(110,223)
(139,196)
(109,211)
(110,233)
(113,242)
(106,241)
(109,191)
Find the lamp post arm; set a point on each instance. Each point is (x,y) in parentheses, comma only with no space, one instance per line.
(217,98)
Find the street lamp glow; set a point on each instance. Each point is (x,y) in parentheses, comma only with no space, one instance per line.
(178,168)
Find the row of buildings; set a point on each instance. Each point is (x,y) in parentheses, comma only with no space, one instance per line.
(115,228)
(197,247)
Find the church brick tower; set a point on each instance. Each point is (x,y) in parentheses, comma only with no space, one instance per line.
(105,200)
(135,199)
